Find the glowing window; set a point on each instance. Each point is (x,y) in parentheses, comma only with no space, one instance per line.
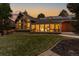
(19,24)
(57,27)
(33,27)
(37,27)
(28,25)
(51,27)
(19,21)
(47,28)
(42,27)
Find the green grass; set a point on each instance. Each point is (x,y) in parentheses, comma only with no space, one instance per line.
(26,44)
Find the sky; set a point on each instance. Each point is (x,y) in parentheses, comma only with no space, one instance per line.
(33,9)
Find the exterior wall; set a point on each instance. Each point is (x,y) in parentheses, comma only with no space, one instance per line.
(67,27)
(38,27)
(22,25)
(16,26)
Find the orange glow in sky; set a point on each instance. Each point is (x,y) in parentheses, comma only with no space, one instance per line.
(52,9)
(35,11)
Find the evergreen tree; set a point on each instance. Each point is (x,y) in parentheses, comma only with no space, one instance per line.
(5,14)
(74,8)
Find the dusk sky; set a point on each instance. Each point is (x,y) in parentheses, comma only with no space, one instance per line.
(49,9)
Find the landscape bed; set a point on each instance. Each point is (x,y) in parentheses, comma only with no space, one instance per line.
(67,47)
(24,44)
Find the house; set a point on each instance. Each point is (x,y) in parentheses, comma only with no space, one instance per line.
(51,24)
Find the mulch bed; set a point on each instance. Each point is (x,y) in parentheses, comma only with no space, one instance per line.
(67,47)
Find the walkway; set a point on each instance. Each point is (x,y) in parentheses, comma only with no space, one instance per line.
(48,53)
(69,34)
(51,53)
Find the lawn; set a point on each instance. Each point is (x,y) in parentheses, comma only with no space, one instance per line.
(20,43)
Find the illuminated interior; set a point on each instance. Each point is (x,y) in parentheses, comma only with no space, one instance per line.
(37,28)
(45,27)
(33,27)
(55,27)
(41,27)
(51,27)
(19,24)
(28,24)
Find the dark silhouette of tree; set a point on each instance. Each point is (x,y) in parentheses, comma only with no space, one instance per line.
(41,15)
(74,8)
(63,13)
(5,14)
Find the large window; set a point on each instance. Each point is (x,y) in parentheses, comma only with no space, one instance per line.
(19,24)
(37,28)
(33,27)
(57,27)
(28,24)
(47,28)
(51,27)
(41,27)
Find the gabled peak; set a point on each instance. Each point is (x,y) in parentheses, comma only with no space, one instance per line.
(25,12)
(63,13)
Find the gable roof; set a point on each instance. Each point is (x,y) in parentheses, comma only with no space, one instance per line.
(53,19)
(63,13)
(24,16)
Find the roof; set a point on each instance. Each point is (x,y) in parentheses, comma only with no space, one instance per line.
(53,19)
(50,19)
(47,21)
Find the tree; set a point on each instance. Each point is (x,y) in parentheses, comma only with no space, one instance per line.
(5,14)
(41,15)
(74,8)
(63,13)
